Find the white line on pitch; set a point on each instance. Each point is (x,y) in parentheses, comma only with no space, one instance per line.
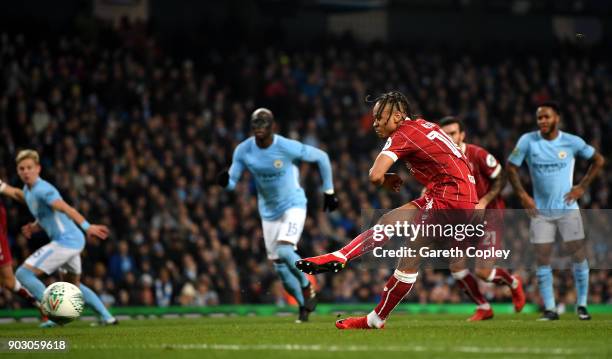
(347,348)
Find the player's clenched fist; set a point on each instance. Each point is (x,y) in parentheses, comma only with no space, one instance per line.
(29,229)
(393,182)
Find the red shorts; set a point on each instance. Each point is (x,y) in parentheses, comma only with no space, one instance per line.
(440,213)
(443,209)
(494,224)
(5,249)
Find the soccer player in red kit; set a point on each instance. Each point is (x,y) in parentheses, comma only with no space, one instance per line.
(437,163)
(7,278)
(490,180)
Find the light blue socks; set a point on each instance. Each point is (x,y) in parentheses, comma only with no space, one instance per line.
(287,254)
(545,285)
(290,282)
(92,299)
(581,281)
(29,280)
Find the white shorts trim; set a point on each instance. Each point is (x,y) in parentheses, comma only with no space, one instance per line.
(51,257)
(542,229)
(287,228)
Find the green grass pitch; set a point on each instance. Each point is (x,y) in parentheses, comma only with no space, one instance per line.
(406,336)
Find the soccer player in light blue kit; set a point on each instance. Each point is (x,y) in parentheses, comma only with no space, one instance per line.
(58,219)
(550,155)
(272,160)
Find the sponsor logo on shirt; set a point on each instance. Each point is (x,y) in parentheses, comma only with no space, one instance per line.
(549,167)
(269,176)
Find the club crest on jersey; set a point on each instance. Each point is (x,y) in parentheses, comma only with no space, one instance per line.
(562,155)
(387,144)
(278,164)
(491,161)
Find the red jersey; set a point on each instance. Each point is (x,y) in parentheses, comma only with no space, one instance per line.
(485,168)
(433,159)
(5,249)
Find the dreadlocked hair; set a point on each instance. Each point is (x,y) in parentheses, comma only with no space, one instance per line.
(396,99)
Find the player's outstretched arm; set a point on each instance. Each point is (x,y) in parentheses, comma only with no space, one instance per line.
(11,192)
(95,230)
(526,200)
(597,162)
(313,154)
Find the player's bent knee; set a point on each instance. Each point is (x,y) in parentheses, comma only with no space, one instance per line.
(543,260)
(37,272)
(577,249)
(5,282)
(483,273)
(457,264)
(22,272)
(408,264)
(6,272)
(285,252)
(279,265)
(578,257)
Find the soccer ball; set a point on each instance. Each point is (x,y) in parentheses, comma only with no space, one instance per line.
(62,302)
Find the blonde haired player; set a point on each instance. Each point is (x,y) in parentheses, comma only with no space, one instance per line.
(59,220)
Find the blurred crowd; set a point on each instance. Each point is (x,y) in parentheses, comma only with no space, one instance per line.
(133,138)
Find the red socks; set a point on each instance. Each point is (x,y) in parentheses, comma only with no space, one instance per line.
(363,243)
(23,293)
(501,276)
(395,290)
(468,283)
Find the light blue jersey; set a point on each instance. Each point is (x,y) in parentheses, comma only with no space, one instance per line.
(551,165)
(59,227)
(276,173)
